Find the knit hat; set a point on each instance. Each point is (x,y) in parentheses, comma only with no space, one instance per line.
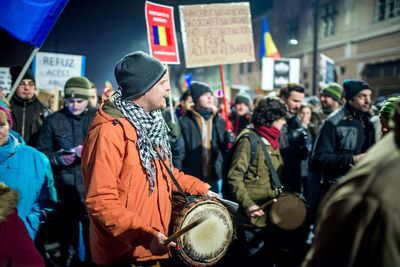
(4,107)
(242,98)
(353,87)
(197,89)
(388,107)
(137,73)
(78,87)
(16,70)
(333,90)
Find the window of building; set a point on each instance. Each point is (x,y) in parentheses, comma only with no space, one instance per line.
(386,9)
(382,70)
(250,67)
(328,19)
(241,68)
(292,32)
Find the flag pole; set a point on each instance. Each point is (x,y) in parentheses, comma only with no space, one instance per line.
(221,73)
(22,73)
(171,108)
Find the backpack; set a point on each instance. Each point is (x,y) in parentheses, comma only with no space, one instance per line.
(254,141)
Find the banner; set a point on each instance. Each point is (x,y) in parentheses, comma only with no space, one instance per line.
(52,70)
(5,78)
(30,21)
(161,33)
(217,34)
(277,72)
(326,70)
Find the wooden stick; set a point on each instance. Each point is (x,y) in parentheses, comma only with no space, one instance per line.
(269,202)
(185,229)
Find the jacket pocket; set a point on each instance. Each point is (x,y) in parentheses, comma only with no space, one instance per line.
(347,137)
(64,139)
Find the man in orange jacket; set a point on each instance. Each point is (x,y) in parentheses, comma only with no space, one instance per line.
(128,189)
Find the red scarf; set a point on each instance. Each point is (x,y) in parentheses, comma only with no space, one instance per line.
(269,133)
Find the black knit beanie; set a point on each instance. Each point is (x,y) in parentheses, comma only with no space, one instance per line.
(353,87)
(197,89)
(16,70)
(137,73)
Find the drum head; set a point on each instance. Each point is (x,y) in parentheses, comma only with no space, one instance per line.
(205,244)
(288,212)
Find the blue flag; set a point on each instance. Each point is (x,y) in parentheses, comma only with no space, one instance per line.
(30,21)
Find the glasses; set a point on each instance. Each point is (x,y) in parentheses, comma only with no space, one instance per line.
(29,84)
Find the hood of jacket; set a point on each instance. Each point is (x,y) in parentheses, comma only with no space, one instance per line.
(8,201)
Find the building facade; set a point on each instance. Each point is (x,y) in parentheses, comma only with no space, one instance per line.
(362,37)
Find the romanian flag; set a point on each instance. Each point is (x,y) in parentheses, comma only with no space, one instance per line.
(162,35)
(267,45)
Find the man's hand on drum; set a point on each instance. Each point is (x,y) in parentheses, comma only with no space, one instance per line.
(254,211)
(157,246)
(212,194)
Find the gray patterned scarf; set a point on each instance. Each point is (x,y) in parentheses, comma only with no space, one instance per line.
(151,130)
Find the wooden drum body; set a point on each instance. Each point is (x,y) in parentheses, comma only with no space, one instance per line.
(208,242)
(289,211)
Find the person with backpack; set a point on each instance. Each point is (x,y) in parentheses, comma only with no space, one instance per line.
(251,182)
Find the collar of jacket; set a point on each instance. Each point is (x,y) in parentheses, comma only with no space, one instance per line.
(353,113)
(10,148)
(22,102)
(66,111)
(109,111)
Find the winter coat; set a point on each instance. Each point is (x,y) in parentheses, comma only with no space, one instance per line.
(358,223)
(293,147)
(63,131)
(16,247)
(191,152)
(28,117)
(345,133)
(256,187)
(124,215)
(28,171)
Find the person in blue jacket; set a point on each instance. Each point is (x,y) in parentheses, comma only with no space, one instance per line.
(27,171)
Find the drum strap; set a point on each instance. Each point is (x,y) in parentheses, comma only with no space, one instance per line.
(275,178)
(187,200)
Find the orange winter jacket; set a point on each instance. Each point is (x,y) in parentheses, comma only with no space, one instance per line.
(124,216)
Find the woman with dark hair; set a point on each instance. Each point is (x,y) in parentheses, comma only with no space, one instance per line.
(251,182)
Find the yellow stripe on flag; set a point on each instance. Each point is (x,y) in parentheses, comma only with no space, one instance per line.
(272,51)
(162,35)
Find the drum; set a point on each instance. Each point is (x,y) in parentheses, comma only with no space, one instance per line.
(205,244)
(288,212)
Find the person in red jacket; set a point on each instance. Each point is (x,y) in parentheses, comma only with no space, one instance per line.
(16,247)
(128,189)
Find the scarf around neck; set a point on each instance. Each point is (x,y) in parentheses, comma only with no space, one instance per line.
(269,133)
(152,132)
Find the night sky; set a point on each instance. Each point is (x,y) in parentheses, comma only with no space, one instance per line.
(104,31)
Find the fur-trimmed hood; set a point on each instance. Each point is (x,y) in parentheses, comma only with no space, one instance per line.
(8,201)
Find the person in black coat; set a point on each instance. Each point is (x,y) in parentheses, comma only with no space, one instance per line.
(61,139)
(203,133)
(28,113)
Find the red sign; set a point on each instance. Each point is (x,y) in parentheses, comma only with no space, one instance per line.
(161,33)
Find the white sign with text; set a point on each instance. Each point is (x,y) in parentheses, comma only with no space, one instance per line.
(5,78)
(52,70)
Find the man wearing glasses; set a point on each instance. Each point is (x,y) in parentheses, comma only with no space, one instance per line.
(27,111)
